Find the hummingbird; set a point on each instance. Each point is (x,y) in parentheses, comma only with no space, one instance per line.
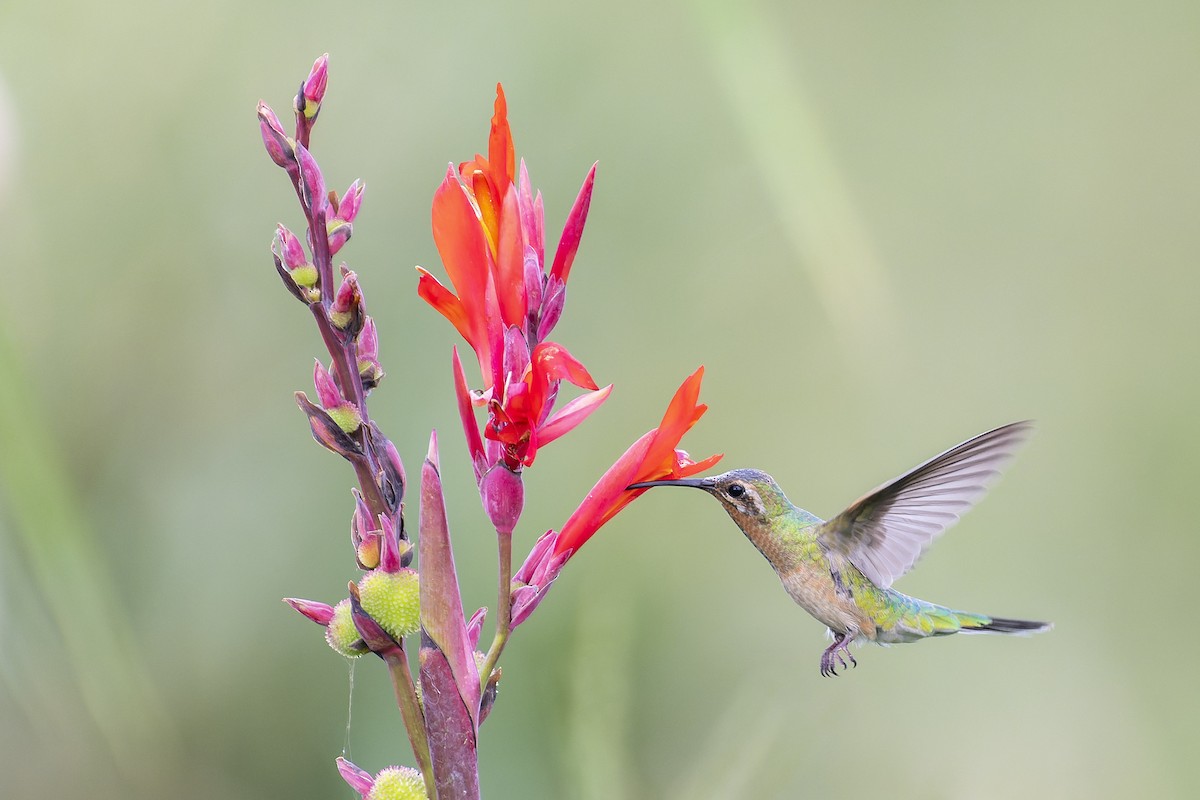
(841,570)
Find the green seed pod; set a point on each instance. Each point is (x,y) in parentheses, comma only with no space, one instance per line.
(341,633)
(398,783)
(393,600)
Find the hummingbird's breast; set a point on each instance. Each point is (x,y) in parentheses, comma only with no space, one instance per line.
(813,587)
(807,575)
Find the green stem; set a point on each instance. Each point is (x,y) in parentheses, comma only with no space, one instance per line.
(504,610)
(410,711)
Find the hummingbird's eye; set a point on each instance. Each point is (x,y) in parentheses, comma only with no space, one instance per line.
(736,490)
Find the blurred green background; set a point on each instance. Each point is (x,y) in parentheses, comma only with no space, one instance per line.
(883,229)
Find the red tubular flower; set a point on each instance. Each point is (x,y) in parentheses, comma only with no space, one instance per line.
(489,232)
(652,457)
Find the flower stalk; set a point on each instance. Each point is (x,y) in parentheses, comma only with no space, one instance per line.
(504,299)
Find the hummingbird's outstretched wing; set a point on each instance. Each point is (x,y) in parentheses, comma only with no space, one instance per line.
(884,532)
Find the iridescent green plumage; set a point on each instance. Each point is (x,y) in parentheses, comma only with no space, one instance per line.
(841,570)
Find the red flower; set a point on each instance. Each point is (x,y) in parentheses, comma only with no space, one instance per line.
(652,457)
(489,232)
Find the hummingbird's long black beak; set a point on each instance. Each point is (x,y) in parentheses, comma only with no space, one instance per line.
(697,483)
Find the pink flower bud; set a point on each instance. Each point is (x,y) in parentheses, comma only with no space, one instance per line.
(346,313)
(328,432)
(503,494)
(351,202)
(280,147)
(320,613)
(553,301)
(534,280)
(394,480)
(475,627)
(312,183)
(391,559)
(359,780)
(312,91)
(328,393)
(338,233)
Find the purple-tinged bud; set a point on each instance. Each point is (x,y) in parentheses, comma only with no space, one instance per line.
(341,634)
(304,295)
(370,371)
(351,202)
(364,535)
(503,495)
(338,233)
(394,553)
(312,91)
(280,147)
(534,282)
(327,431)
(393,480)
(392,599)
(552,306)
(360,780)
(535,577)
(475,627)
(312,184)
(320,613)
(340,410)
(346,313)
(328,392)
(288,250)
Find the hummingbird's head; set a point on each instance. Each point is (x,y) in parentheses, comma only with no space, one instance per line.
(747,494)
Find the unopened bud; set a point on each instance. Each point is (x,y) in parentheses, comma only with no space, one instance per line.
(351,202)
(475,626)
(398,783)
(503,495)
(320,613)
(338,232)
(280,147)
(392,599)
(341,634)
(327,431)
(312,183)
(312,91)
(552,306)
(290,253)
(344,413)
(346,313)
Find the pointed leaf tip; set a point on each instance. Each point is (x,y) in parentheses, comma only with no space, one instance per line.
(432,455)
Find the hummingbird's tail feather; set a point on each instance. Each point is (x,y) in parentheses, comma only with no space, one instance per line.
(1019,627)
(907,619)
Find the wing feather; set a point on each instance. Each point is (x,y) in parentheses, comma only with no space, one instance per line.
(884,532)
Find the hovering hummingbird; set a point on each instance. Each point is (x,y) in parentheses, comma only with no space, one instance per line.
(841,571)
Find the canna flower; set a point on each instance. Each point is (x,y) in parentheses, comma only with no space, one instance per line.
(489,232)
(652,457)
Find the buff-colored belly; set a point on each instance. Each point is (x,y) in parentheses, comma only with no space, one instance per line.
(815,592)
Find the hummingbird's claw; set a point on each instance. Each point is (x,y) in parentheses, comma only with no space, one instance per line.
(834,654)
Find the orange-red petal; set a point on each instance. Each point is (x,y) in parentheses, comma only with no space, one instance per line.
(445,301)
(501,152)
(651,457)
(510,263)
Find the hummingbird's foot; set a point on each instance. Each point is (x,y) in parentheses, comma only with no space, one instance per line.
(837,652)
